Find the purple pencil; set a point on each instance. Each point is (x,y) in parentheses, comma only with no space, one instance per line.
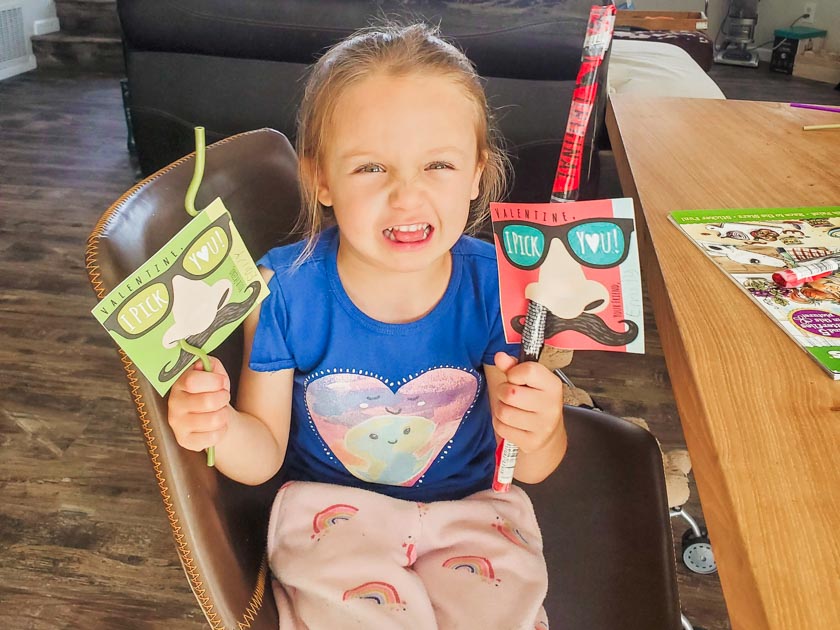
(823,108)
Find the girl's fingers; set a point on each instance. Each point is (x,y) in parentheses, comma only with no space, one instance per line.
(216,366)
(203,440)
(515,417)
(523,439)
(197,381)
(205,402)
(194,429)
(523,397)
(198,406)
(534,375)
(504,361)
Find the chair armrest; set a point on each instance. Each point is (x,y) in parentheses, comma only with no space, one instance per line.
(606,529)
(219,526)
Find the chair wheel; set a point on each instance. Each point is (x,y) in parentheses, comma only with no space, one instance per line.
(697,553)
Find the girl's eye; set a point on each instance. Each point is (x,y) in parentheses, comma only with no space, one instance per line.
(370,168)
(439,166)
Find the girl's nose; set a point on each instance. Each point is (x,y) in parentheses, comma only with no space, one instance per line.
(563,288)
(406,193)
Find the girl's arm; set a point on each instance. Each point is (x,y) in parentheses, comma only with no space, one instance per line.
(254,446)
(526,401)
(250,439)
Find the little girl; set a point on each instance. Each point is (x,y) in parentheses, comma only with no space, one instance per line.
(376,371)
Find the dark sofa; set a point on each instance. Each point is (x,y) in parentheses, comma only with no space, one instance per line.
(236,66)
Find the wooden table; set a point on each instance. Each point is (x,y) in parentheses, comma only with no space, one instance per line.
(761,418)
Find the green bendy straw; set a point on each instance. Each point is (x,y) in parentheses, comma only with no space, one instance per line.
(189,205)
(205,363)
(198,172)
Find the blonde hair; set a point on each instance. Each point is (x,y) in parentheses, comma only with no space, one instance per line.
(396,50)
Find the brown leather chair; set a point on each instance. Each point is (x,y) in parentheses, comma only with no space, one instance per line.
(603,513)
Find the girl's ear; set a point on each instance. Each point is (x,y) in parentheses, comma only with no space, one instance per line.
(479,170)
(313,180)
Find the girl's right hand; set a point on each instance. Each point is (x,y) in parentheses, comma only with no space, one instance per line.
(199,406)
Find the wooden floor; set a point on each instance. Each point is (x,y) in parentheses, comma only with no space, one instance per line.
(84,542)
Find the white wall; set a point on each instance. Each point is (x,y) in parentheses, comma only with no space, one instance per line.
(772,14)
(38,9)
(37,14)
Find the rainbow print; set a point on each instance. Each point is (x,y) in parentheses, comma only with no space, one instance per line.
(331,516)
(381,593)
(511,533)
(410,552)
(472,564)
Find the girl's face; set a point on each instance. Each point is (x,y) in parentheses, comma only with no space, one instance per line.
(399,169)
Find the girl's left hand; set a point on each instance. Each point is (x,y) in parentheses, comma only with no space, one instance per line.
(528,404)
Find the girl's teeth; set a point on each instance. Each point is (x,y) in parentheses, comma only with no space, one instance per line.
(416,227)
(411,228)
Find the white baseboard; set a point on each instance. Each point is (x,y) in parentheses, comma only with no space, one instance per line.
(24,64)
(764,54)
(42,27)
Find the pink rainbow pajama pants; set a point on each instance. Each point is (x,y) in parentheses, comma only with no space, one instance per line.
(348,558)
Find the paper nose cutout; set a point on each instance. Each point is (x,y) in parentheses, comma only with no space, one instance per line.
(194,307)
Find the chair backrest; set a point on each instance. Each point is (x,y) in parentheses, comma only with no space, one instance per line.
(603,513)
(219,525)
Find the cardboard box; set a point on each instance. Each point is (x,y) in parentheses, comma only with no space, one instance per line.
(663,20)
(790,43)
(819,66)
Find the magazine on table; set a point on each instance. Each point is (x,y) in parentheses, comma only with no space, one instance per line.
(787,260)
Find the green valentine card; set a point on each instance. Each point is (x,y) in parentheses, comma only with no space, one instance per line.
(196,289)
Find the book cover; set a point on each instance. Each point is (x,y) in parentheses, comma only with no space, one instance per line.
(580,260)
(197,288)
(750,245)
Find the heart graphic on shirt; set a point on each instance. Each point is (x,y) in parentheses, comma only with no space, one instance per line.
(390,432)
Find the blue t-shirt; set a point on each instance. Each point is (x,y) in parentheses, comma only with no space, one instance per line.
(400,409)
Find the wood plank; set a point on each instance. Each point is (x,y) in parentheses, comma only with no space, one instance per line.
(756,411)
(83,533)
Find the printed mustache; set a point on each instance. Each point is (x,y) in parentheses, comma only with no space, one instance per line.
(587,324)
(227,314)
